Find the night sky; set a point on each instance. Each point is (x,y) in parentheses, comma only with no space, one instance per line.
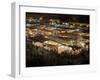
(61,17)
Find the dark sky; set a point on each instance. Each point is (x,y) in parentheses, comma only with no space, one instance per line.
(61,17)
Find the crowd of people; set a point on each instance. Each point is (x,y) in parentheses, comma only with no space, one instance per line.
(38,56)
(40,53)
(56,43)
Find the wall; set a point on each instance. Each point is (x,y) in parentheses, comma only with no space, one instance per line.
(5,40)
